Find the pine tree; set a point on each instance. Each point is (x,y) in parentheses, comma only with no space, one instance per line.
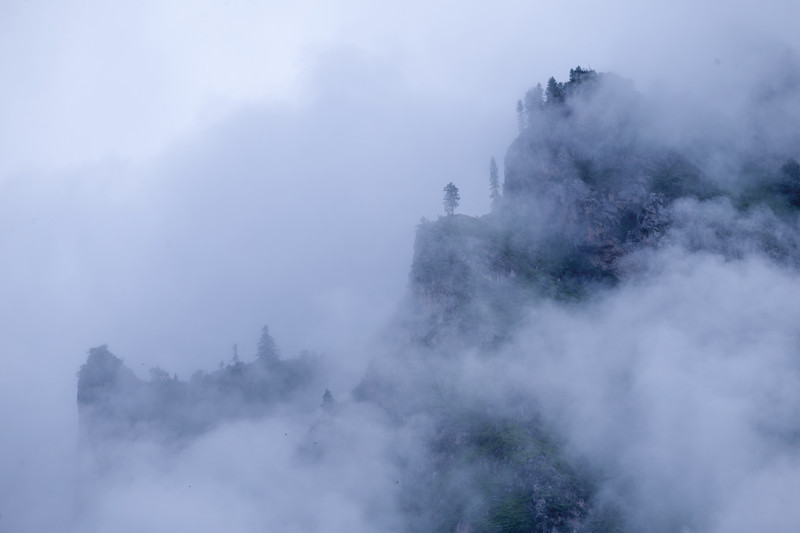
(534,99)
(555,92)
(494,183)
(520,116)
(580,75)
(451,198)
(267,350)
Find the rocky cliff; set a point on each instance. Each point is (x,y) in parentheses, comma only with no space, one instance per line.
(587,183)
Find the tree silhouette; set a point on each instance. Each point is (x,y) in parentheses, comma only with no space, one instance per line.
(451,198)
(520,116)
(267,350)
(494,183)
(534,99)
(554,92)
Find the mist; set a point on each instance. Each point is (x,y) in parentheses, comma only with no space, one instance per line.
(175,176)
(684,383)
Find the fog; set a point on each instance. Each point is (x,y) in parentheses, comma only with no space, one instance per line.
(173,176)
(686,383)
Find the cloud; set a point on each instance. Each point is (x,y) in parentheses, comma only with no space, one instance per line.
(681,384)
(250,476)
(174,175)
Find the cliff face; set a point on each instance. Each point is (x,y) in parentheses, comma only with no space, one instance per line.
(587,183)
(603,205)
(594,180)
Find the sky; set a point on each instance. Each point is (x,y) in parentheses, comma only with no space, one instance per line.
(262,142)
(174,175)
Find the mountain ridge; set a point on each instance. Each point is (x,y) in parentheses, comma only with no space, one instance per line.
(587,188)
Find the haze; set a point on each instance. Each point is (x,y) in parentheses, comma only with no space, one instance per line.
(175,175)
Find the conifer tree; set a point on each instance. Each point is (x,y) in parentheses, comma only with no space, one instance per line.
(267,350)
(451,198)
(520,116)
(555,92)
(534,99)
(494,183)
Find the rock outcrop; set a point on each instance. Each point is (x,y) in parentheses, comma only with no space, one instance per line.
(115,404)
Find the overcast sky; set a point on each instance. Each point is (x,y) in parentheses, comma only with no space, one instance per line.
(174,175)
(226,164)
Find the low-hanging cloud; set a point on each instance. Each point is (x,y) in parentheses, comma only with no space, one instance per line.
(682,385)
(170,210)
(273,474)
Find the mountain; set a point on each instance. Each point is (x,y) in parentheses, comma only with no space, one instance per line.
(587,183)
(114,404)
(590,189)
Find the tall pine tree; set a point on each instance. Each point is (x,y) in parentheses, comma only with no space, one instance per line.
(554,92)
(534,99)
(451,198)
(267,350)
(494,183)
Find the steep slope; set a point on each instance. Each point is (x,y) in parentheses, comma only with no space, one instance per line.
(590,188)
(588,182)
